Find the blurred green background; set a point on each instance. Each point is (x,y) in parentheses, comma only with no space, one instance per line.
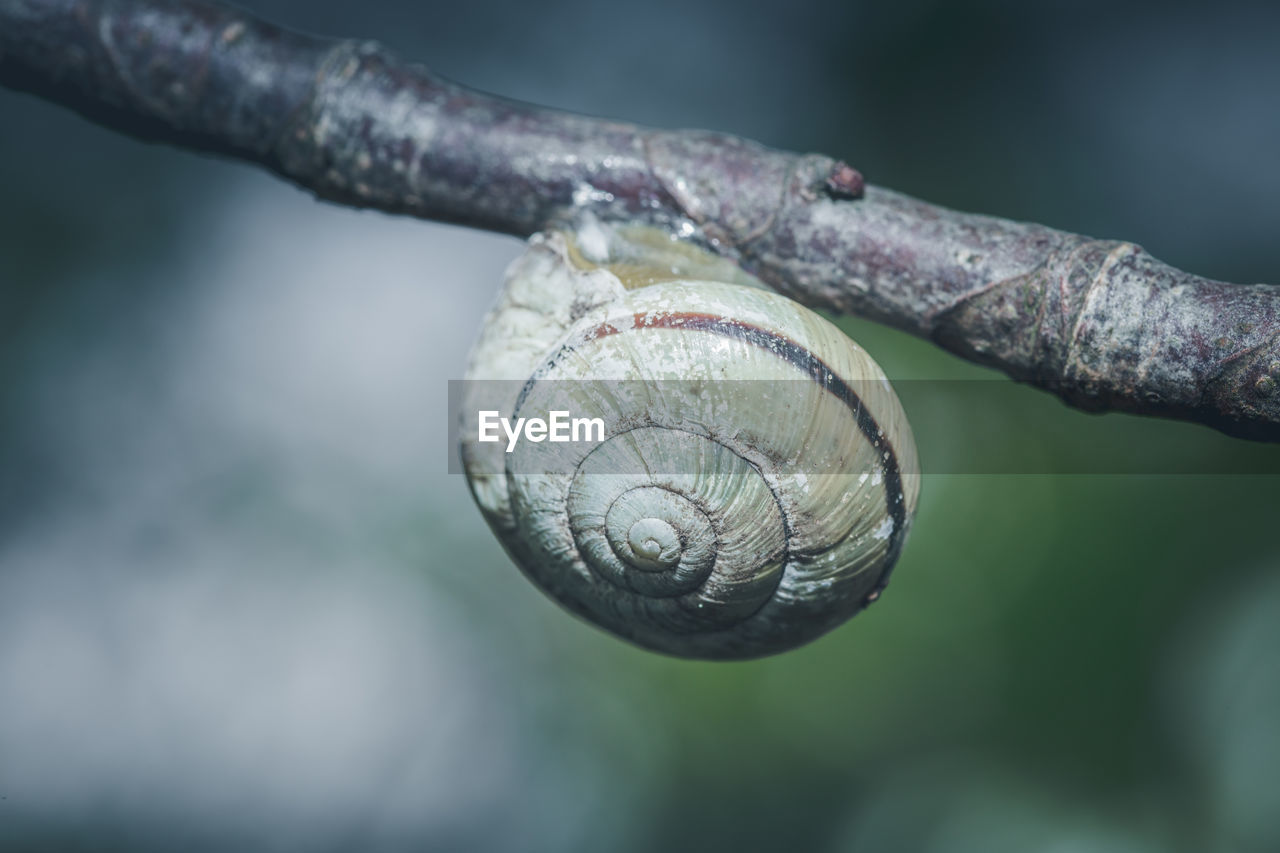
(242,605)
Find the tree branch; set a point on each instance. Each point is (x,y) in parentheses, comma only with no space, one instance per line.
(1102,324)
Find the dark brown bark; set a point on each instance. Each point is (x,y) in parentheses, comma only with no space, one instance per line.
(1102,324)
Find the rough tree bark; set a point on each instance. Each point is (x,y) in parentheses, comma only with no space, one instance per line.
(1102,324)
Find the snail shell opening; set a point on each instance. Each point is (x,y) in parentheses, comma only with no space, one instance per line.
(755,477)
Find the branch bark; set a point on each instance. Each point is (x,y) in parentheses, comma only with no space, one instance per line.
(1101,324)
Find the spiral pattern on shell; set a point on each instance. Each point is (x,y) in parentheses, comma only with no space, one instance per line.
(708,522)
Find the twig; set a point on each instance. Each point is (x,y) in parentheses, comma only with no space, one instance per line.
(1102,324)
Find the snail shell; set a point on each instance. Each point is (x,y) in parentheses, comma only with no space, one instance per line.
(706,522)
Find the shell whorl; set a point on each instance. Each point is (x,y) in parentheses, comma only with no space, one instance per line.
(707,523)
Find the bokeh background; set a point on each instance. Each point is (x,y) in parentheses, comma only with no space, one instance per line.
(243,605)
